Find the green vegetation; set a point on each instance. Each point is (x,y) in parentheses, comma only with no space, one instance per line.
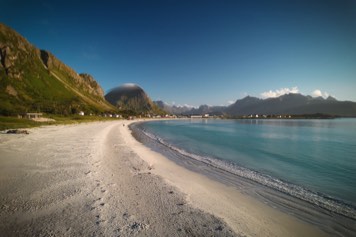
(33,80)
(12,123)
(15,123)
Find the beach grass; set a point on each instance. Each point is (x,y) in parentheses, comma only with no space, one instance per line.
(13,123)
(16,123)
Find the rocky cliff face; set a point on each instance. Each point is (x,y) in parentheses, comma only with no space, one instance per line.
(33,79)
(84,80)
(91,85)
(13,50)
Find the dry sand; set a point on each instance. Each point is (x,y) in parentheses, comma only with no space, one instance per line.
(96,180)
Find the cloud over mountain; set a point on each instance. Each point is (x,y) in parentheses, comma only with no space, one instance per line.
(277,93)
(319,93)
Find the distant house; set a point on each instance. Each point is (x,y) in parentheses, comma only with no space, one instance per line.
(81,113)
(196,116)
(33,115)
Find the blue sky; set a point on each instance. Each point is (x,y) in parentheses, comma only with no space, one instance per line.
(200,52)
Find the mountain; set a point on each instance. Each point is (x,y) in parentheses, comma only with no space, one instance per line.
(185,110)
(288,104)
(206,109)
(35,80)
(133,99)
(178,110)
(295,104)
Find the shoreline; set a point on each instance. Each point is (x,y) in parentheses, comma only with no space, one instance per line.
(332,223)
(97,179)
(221,199)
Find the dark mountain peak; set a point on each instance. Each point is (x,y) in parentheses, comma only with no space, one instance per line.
(175,109)
(247,100)
(330,98)
(160,103)
(320,98)
(292,96)
(128,89)
(250,98)
(204,107)
(131,97)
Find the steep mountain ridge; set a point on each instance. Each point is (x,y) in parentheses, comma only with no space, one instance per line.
(83,80)
(35,80)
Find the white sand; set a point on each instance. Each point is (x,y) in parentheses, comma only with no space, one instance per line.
(97,180)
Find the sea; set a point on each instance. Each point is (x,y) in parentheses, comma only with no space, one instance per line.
(306,167)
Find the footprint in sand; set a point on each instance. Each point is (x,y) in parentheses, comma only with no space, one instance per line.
(98,220)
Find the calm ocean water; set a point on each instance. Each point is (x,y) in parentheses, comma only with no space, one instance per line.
(313,160)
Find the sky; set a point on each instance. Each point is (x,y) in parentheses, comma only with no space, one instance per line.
(188,52)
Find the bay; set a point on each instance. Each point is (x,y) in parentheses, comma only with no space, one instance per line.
(315,155)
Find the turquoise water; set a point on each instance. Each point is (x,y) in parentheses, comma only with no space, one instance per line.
(314,160)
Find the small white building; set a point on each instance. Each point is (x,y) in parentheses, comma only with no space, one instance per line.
(33,115)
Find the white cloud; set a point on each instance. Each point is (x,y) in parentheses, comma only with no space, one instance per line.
(318,93)
(186,105)
(230,102)
(282,91)
(189,106)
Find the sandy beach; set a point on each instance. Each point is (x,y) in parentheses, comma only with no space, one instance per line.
(95,179)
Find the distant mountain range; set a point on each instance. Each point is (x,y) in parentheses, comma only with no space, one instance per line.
(35,80)
(172,109)
(288,104)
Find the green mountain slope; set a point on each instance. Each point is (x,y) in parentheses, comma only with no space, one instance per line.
(35,80)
